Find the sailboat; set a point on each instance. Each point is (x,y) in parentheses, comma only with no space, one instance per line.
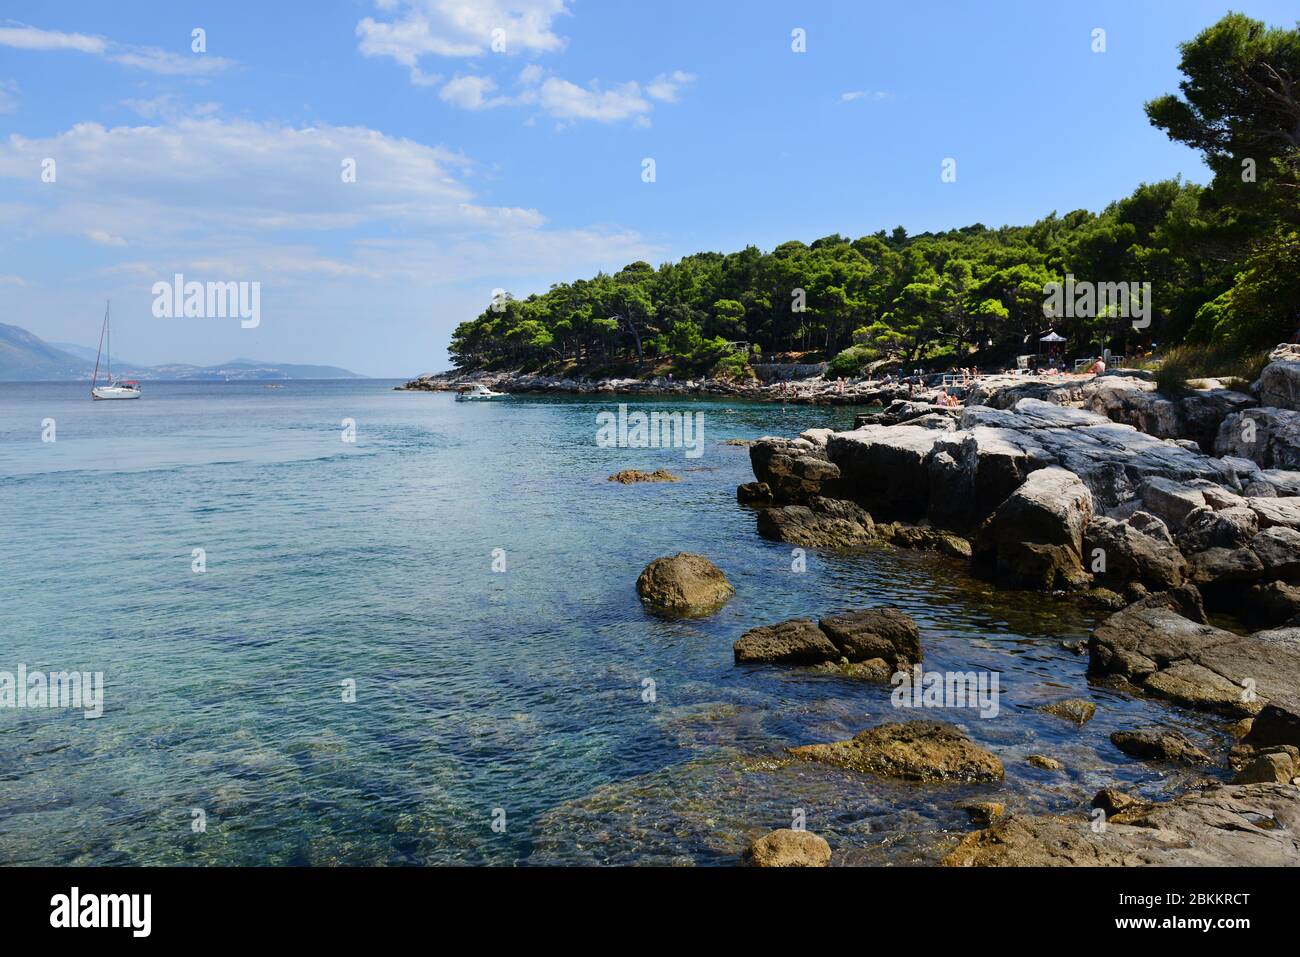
(123,388)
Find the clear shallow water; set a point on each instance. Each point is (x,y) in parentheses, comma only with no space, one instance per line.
(476,690)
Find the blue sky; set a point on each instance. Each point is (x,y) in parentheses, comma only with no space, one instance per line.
(480,169)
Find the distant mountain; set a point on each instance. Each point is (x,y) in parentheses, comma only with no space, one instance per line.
(26,358)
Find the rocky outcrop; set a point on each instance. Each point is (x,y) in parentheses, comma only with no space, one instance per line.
(794,469)
(912,751)
(1195,665)
(1035,537)
(788,848)
(683,586)
(1196,415)
(1248,825)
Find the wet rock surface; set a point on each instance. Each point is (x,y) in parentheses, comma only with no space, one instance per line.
(788,848)
(1255,825)
(913,751)
(683,586)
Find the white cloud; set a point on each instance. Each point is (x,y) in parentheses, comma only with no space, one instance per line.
(665,87)
(151,59)
(33,38)
(460,28)
(471,93)
(8,96)
(568,101)
(261,199)
(877,95)
(12,281)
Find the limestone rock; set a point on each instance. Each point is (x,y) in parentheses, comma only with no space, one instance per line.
(683,586)
(788,848)
(794,642)
(913,751)
(1251,825)
(1159,744)
(867,633)
(1035,538)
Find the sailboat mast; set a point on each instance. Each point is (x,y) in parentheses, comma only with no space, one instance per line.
(108,354)
(100,351)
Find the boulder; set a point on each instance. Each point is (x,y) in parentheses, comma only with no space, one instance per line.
(1170,501)
(912,751)
(754,493)
(1159,744)
(1045,763)
(1138,549)
(1206,528)
(1278,549)
(1277,723)
(868,633)
(823,523)
(1269,605)
(1275,510)
(1279,765)
(1035,538)
(1216,566)
(788,848)
(917,536)
(1225,825)
(1279,383)
(794,642)
(1112,801)
(1191,664)
(1269,437)
(683,586)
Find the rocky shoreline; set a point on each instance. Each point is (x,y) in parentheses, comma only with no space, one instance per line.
(814,391)
(1166,509)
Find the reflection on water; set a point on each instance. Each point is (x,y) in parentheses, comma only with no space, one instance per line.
(522,690)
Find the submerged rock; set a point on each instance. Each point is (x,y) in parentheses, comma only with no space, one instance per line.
(683,586)
(631,476)
(1251,825)
(788,848)
(1159,744)
(913,751)
(1044,762)
(1077,710)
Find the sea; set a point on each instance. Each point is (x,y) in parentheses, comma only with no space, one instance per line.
(340,624)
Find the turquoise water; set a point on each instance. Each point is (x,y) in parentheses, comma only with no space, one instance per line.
(476,690)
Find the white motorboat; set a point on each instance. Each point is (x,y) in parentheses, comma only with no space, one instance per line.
(478,393)
(122,388)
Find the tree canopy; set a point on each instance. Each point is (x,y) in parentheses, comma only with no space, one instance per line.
(1223,261)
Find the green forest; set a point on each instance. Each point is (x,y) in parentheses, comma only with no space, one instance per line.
(1223,263)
